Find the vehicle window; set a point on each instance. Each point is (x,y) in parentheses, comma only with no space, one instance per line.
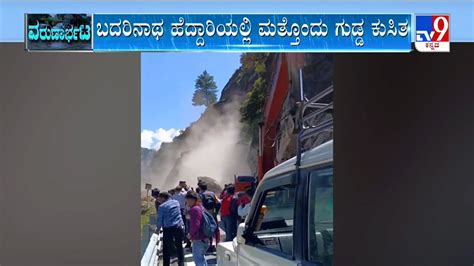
(274,226)
(321,216)
(246,179)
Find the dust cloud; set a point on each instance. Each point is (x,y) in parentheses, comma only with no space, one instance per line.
(211,147)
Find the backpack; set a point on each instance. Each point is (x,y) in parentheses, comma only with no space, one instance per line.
(208,224)
(208,200)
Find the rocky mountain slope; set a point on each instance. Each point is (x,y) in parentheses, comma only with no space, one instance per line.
(212,146)
(218,145)
(146,160)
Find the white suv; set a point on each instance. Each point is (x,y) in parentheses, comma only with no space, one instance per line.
(291,218)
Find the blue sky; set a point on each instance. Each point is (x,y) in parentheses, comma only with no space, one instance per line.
(167,89)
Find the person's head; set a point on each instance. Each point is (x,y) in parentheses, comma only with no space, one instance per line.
(230,189)
(203,186)
(182,183)
(171,192)
(178,189)
(155,192)
(191,198)
(224,190)
(163,196)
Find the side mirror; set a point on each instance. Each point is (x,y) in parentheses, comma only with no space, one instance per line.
(240,233)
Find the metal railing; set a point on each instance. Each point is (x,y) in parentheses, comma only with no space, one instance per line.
(151,255)
(309,110)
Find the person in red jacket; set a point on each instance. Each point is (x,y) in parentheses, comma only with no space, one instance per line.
(229,215)
(200,243)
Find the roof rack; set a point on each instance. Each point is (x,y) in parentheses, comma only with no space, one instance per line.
(308,111)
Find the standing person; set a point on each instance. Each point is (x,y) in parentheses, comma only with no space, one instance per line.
(184,185)
(169,217)
(221,196)
(211,203)
(229,215)
(199,240)
(179,195)
(154,193)
(243,203)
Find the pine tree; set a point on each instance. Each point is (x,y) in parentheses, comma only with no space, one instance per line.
(205,90)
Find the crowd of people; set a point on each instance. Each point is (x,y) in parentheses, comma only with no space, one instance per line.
(190,216)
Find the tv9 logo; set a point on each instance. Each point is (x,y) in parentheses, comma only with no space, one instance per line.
(432,33)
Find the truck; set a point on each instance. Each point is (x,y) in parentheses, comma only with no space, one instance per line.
(290,221)
(243,182)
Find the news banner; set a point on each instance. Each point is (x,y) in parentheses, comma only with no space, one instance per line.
(238,32)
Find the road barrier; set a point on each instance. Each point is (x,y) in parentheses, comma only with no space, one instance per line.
(151,255)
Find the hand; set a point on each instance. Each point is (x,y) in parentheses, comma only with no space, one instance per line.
(188,236)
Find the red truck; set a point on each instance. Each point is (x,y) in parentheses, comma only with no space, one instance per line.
(243,182)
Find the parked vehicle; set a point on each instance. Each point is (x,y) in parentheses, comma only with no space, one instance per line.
(290,221)
(241,182)
(291,218)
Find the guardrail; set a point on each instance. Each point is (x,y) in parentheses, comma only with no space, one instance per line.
(151,255)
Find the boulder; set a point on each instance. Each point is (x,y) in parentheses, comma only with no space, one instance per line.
(212,184)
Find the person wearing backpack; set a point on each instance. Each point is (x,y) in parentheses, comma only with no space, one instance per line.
(211,203)
(201,227)
(229,214)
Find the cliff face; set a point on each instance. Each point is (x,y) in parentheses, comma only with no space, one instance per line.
(215,147)
(212,146)
(146,159)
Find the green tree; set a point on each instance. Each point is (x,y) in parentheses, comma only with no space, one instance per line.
(252,108)
(205,90)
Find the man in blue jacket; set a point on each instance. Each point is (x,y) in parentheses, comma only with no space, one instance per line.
(169,217)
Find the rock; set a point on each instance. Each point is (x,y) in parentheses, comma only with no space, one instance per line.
(212,184)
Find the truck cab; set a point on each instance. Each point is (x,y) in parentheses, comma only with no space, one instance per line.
(242,183)
(291,217)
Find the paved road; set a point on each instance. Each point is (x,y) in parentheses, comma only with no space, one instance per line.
(188,259)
